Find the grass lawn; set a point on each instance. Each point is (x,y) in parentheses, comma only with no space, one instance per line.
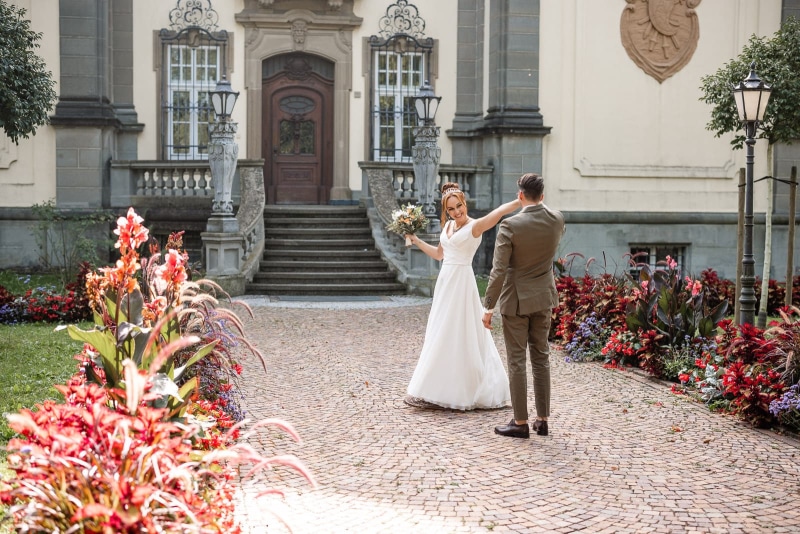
(32,359)
(18,283)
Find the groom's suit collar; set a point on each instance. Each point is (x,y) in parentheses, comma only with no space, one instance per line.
(533,207)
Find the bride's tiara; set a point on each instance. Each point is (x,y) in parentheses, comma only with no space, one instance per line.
(451,190)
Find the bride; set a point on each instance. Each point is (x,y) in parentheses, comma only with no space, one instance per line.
(459,367)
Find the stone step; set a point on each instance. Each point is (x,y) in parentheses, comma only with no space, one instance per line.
(311,232)
(326,255)
(326,211)
(321,250)
(365,266)
(326,289)
(322,277)
(355,244)
(316,222)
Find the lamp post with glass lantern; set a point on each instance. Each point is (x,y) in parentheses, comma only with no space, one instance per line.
(222,241)
(222,152)
(426,153)
(751,96)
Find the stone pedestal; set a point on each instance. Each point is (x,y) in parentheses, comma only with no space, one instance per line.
(223,248)
(422,270)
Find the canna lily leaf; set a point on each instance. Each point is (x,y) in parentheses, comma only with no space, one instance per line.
(165,386)
(132,305)
(103,342)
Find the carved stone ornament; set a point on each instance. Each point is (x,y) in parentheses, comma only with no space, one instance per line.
(299,29)
(297,68)
(660,36)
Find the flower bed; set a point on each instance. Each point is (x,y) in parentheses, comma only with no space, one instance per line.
(137,445)
(674,327)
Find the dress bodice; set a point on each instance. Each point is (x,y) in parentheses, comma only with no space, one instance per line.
(461,246)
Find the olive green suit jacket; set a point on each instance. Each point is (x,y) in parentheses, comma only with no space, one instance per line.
(521,281)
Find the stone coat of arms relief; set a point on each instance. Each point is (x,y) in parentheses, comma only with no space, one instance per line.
(660,36)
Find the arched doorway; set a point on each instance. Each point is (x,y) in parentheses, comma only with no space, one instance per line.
(297,128)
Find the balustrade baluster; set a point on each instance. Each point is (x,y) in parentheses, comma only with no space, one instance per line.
(140,184)
(150,183)
(163,176)
(180,183)
(207,189)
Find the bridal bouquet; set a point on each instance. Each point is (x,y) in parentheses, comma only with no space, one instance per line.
(408,220)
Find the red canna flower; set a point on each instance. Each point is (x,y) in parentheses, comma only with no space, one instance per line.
(131,232)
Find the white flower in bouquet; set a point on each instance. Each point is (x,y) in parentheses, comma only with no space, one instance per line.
(408,220)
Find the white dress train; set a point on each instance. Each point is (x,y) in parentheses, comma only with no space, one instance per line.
(459,366)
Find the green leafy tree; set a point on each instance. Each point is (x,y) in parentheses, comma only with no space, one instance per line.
(777,62)
(26,86)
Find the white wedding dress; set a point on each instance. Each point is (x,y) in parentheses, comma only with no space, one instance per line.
(459,366)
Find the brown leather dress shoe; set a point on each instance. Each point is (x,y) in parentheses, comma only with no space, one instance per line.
(513,430)
(540,427)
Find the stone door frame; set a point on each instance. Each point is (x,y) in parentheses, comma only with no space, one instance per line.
(329,36)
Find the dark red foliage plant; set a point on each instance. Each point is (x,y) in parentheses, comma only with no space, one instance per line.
(105,462)
(751,379)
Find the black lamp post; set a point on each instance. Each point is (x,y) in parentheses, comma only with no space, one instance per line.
(426,152)
(751,96)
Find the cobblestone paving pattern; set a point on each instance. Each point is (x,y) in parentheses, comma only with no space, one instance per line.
(624,454)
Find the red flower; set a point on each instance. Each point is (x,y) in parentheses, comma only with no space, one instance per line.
(131,232)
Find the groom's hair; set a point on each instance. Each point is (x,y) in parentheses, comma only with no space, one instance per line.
(532,186)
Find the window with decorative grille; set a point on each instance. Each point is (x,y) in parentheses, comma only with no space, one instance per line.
(398,73)
(193,62)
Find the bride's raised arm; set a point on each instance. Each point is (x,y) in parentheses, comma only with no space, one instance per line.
(493,217)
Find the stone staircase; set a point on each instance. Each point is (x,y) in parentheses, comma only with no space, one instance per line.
(321,250)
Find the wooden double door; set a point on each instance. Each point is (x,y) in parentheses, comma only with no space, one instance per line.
(297,133)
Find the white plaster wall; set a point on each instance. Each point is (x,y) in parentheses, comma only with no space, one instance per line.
(149,17)
(441,18)
(28,170)
(622,141)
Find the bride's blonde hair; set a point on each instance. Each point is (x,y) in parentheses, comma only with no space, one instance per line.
(450,189)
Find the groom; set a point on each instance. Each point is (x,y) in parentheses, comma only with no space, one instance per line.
(522,285)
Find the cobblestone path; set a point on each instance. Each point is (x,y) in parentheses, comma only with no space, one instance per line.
(624,454)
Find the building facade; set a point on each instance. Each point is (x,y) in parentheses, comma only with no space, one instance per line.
(600,96)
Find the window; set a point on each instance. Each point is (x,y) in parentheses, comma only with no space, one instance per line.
(400,66)
(655,256)
(194,60)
